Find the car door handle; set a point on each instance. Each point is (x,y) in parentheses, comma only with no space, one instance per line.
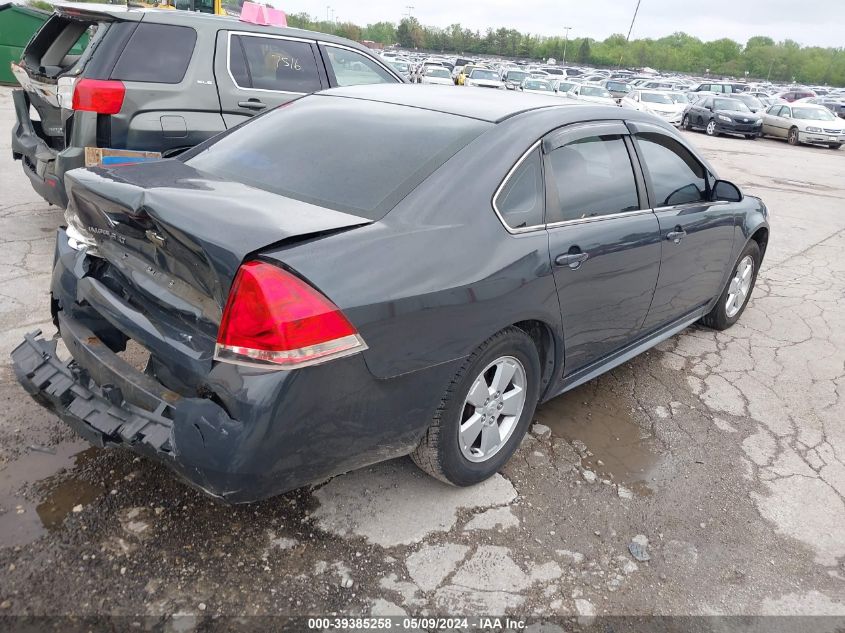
(677,235)
(252,104)
(573,260)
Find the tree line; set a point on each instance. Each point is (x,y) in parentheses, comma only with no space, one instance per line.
(760,58)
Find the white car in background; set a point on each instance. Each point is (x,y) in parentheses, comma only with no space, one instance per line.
(484,78)
(656,102)
(537,86)
(437,75)
(804,123)
(592,93)
(561,87)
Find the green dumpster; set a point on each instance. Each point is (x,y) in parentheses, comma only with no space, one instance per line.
(17,25)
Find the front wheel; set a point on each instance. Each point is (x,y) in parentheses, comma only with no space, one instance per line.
(731,303)
(751,137)
(686,123)
(711,128)
(484,413)
(835,145)
(792,137)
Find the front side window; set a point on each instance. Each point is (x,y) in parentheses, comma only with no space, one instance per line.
(593,177)
(520,202)
(268,63)
(351,68)
(676,175)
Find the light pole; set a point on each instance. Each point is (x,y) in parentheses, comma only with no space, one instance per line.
(328,8)
(410,10)
(566,30)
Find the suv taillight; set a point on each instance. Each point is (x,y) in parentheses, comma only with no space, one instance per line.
(274,319)
(98,95)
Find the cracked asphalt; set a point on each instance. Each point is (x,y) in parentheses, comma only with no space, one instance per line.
(720,457)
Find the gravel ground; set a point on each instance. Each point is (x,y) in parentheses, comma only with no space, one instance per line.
(719,456)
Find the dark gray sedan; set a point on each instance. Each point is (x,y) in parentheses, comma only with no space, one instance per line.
(378,271)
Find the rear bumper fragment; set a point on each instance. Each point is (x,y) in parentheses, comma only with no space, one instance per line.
(110,403)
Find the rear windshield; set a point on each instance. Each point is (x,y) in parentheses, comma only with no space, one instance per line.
(356,156)
(59,45)
(592,91)
(656,97)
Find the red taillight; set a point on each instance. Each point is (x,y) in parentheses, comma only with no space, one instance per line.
(274,318)
(97,95)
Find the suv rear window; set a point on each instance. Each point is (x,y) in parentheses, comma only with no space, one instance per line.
(158,53)
(311,150)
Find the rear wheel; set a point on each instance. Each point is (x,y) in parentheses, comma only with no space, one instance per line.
(484,413)
(792,137)
(711,128)
(752,137)
(737,291)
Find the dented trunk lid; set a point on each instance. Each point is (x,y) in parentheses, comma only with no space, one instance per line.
(169,241)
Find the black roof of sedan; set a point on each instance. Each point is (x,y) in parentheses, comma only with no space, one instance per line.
(484,104)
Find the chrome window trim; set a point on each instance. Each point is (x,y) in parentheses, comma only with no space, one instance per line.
(265,36)
(355,50)
(599,218)
(689,205)
(505,180)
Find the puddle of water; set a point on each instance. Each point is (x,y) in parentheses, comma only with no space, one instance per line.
(618,449)
(37,492)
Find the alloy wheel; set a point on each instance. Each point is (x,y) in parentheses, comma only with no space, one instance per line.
(711,128)
(492,409)
(740,286)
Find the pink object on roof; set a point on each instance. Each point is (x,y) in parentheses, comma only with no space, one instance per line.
(255,13)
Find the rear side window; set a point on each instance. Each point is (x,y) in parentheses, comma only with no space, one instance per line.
(359,157)
(269,63)
(676,175)
(520,202)
(156,53)
(351,68)
(594,177)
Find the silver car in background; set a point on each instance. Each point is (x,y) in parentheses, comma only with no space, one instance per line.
(804,123)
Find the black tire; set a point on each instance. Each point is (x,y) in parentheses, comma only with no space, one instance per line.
(718,318)
(711,130)
(792,136)
(835,145)
(438,452)
(751,137)
(686,123)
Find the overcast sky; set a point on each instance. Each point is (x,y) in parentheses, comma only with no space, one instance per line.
(810,22)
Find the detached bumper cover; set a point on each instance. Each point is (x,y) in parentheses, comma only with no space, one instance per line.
(110,403)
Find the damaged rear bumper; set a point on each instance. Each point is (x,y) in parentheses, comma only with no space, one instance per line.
(44,166)
(110,403)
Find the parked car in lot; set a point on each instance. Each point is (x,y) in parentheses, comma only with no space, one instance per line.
(537,86)
(617,89)
(794,95)
(722,115)
(484,78)
(514,78)
(561,87)
(162,81)
(591,93)
(657,103)
(833,103)
(720,87)
(306,313)
(438,75)
(751,102)
(800,123)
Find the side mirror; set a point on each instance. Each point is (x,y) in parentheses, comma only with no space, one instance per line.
(725,191)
